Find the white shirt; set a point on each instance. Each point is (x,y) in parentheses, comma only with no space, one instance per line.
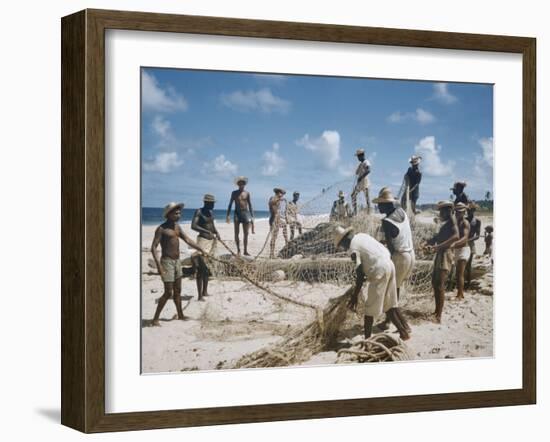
(370,254)
(403,242)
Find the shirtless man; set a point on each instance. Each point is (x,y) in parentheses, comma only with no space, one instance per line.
(443,262)
(292,210)
(277,219)
(475,233)
(244,214)
(399,240)
(461,247)
(488,241)
(203,222)
(458,192)
(361,180)
(340,212)
(168,235)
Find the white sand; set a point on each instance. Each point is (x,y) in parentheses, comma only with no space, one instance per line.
(238,318)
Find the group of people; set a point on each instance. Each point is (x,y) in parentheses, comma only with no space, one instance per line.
(386,266)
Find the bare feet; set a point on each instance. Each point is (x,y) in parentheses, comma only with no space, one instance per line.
(460,296)
(246,254)
(438,319)
(180,318)
(202,299)
(155,323)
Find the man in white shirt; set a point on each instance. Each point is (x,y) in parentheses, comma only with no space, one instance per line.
(373,262)
(361,180)
(398,238)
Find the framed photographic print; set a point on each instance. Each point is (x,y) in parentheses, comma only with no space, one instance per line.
(269,220)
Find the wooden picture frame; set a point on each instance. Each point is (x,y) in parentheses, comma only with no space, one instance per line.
(83,220)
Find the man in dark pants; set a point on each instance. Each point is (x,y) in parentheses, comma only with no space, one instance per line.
(243,212)
(292,211)
(475,234)
(443,262)
(412,180)
(203,222)
(458,192)
(168,235)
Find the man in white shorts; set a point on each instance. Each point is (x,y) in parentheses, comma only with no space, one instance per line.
(460,247)
(372,262)
(361,180)
(399,241)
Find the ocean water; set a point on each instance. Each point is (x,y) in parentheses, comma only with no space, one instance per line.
(153,215)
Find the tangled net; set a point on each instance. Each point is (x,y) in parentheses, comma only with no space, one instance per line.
(381,347)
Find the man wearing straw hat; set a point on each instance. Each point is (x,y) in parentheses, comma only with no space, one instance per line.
(361,180)
(277,218)
(293,216)
(443,261)
(203,222)
(458,192)
(413,176)
(475,234)
(244,214)
(461,247)
(372,261)
(341,211)
(169,266)
(399,240)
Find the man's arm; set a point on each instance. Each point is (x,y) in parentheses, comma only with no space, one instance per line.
(477,231)
(450,240)
(359,280)
(390,232)
(229,207)
(195,224)
(365,172)
(249,201)
(189,241)
(154,245)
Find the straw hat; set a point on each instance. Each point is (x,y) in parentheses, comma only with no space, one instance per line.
(415,159)
(384,196)
(170,207)
(359,152)
(340,233)
(461,207)
(278,189)
(341,194)
(209,198)
(446,203)
(241,178)
(457,184)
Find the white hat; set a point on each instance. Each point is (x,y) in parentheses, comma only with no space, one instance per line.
(170,207)
(241,178)
(415,159)
(340,233)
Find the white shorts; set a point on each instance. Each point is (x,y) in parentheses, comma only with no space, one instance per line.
(462,254)
(404,263)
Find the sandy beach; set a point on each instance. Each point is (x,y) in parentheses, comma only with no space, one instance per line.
(238,318)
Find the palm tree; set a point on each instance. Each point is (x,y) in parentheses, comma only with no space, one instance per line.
(487,196)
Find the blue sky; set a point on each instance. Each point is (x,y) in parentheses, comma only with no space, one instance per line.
(202,128)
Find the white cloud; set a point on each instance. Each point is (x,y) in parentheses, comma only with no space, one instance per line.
(155,98)
(326,148)
(272,161)
(163,162)
(161,126)
(420,116)
(487,149)
(262,100)
(220,166)
(442,94)
(431,159)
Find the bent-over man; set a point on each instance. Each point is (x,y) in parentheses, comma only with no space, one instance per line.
(168,235)
(461,247)
(203,222)
(398,238)
(372,261)
(443,261)
(244,214)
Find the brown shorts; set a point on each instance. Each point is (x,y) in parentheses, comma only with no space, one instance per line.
(443,263)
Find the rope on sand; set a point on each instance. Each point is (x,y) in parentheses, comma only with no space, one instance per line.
(381,347)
